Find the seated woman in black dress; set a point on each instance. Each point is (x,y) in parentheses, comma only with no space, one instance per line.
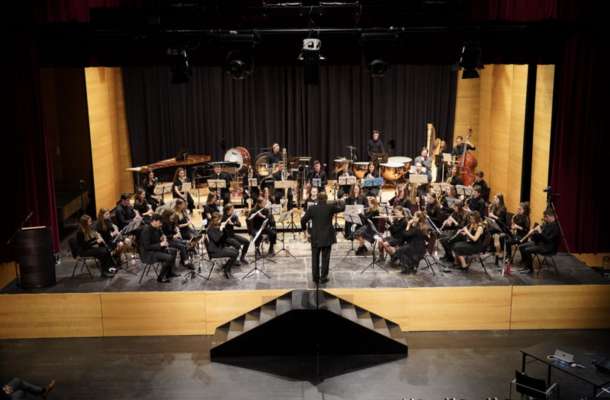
(218,246)
(91,244)
(472,240)
(211,207)
(183,220)
(150,182)
(398,225)
(111,234)
(355,197)
(142,206)
(371,191)
(177,191)
(402,199)
(412,245)
(365,232)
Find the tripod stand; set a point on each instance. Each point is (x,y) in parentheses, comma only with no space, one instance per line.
(374,261)
(435,260)
(196,273)
(551,205)
(256,269)
(283,219)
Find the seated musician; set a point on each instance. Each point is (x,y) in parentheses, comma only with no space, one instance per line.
(411,247)
(142,205)
(318,174)
(225,194)
(238,242)
(91,244)
(154,248)
(310,198)
(482,185)
(218,246)
(451,197)
(255,221)
(472,236)
(355,197)
(110,233)
(454,177)
(425,161)
(544,239)
(172,234)
(275,156)
(177,192)
(365,232)
(458,148)
(401,198)
(183,220)
(374,147)
(150,182)
(211,206)
(124,212)
(519,226)
(343,190)
(371,173)
(457,220)
(433,209)
(398,225)
(278,194)
(475,202)
(496,212)
(266,197)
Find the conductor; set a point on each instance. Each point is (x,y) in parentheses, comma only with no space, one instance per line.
(322,235)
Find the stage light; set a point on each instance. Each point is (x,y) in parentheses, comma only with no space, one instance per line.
(181,68)
(470,60)
(378,68)
(239,66)
(311,57)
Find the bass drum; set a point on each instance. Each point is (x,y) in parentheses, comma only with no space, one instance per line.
(262,165)
(239,155)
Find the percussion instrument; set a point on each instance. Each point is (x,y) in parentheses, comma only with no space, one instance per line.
(359,168)
(239,155)
(406,161)
(262,165)
(392,171)
(341,164)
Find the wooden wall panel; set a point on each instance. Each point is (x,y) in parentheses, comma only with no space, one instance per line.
(50,315)
(388,303)
(545,76)
(109,136)
(153,313)
(467,107)
(222,306)
(561,307)
(7,273)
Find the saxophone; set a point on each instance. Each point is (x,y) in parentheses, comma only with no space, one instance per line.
(285,163)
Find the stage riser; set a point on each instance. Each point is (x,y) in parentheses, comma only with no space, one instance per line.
(200,312)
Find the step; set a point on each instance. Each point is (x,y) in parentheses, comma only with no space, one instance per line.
(380,325)
(348,311)
(221,333)
(332,304)
(252,319)
(267,312)
(364,318)
(395,330)
(236,328)
(282,305)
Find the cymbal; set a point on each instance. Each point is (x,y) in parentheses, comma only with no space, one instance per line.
(351,147)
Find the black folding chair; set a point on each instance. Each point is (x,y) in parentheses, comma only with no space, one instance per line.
(532,388)
(80,260)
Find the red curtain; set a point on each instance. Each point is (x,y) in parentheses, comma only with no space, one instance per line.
(581,143)
(514,10)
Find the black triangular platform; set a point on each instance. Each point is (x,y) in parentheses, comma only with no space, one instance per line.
(297,324)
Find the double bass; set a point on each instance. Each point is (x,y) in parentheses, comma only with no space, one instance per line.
(467,163)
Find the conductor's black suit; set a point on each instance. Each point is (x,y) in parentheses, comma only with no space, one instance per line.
(323,235)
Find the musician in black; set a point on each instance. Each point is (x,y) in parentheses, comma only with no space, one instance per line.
(473,235)
(544,240)
(366,232)
(110,233)
(233,239)
(318,174)
(458,148)
(218,246)
(413,244)
(371,173)
(475,202)
(401,198)
(355,197)
(484,188)
(225,194)
(343,190)
(455,178)
(177,192)
(496,225)
(155,248)
(425,161)
(375,146)
(457,220)
(124,212)
(211,206)
(150,182)
(174,239)
(142,206)
(255,221)
(323,235)
(519,226)
(275,156)
(433,209)
(398,225)
(91,244)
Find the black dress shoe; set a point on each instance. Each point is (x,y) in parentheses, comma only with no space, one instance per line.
(163,280)
(172,275)
(243,261)
(324,280)
(237,264)
(227,274)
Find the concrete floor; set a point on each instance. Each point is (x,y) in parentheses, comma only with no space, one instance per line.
(464,365)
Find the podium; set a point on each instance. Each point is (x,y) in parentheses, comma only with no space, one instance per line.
(33,250)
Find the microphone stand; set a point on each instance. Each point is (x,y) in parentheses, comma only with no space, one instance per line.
(551,205)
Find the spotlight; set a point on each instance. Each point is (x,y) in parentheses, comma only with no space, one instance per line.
(237,65)
(181,68)
(311,57)
(378,68)
(470,60)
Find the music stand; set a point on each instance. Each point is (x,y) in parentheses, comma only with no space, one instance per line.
(463,190)
(346,180)
(192,274)
(217,184)
(317,182)
(282,218)
(256,269)
(352,215)
(375,243)
(438,231)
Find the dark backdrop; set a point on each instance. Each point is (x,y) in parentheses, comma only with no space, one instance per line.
(214,112)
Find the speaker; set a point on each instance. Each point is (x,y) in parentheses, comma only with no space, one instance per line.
(33,250)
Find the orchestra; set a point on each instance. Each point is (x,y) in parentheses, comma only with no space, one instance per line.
(445,210)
